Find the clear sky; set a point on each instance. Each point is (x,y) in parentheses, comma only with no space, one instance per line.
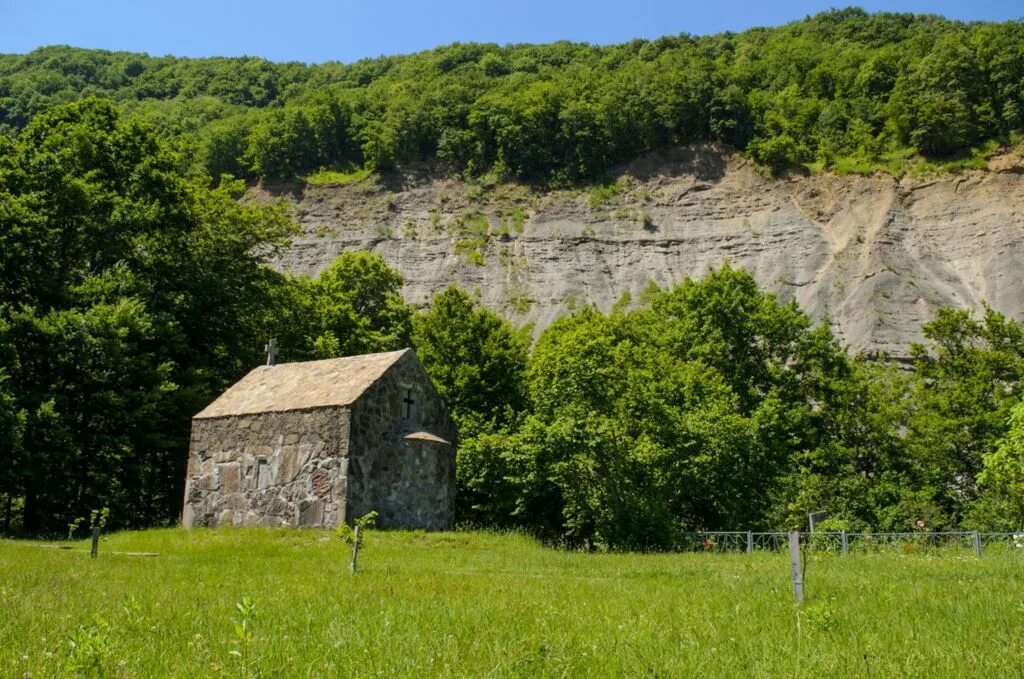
(343,30)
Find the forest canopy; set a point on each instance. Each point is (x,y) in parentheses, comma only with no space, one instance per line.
(844,89)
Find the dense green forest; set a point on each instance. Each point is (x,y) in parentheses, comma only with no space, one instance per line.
(133,293)
(844,89)
(135,286)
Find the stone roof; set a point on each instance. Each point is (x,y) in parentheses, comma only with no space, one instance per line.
(299,386)
(426,436)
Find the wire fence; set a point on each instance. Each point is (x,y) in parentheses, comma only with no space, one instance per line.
(855,543)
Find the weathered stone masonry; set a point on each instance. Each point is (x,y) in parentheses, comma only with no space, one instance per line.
(373,435)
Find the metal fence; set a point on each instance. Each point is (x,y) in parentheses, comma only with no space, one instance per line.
(856,543)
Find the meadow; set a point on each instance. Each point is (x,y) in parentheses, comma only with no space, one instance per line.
(281,603)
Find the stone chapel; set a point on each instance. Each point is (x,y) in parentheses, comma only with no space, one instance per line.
(319,443)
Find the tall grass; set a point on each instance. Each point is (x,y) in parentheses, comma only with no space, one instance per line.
(477,604)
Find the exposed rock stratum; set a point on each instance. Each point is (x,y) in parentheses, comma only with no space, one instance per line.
(875,255)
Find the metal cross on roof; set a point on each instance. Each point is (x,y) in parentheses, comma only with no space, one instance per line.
(271,349)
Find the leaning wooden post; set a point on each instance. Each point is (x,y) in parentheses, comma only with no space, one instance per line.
(794,563)
(95,541)
(355,547)
(750,542)
(977,543)
(844,543)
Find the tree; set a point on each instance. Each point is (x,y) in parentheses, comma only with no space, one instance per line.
(282,145)
(862,472)
(685,414)
(1002,477)
(131,295)
(940,105)
(12,427)
(356,307)
(222,146)
(580,463)
(476,360)
(970,379)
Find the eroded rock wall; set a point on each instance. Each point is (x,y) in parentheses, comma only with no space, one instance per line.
(875,255)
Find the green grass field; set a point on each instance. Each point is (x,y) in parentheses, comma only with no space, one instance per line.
(476,604)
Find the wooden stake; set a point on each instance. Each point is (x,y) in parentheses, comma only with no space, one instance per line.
(355,547)
(95,542)
(794,563)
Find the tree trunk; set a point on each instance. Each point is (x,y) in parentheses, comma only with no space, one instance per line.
(30,520)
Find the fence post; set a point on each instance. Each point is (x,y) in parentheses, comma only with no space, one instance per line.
(95,541)
(750,542)
(794,563)
(844,544)
(977,543)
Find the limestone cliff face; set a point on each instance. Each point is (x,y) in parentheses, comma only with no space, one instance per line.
(875,255)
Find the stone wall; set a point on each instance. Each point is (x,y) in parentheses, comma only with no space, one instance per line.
(410,483)
(268,469)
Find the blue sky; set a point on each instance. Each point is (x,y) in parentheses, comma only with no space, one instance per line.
(345,31)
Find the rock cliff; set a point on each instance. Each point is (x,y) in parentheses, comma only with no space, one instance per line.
(876,255)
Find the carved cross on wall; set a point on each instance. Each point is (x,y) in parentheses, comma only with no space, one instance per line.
(409,403)
(271,349)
